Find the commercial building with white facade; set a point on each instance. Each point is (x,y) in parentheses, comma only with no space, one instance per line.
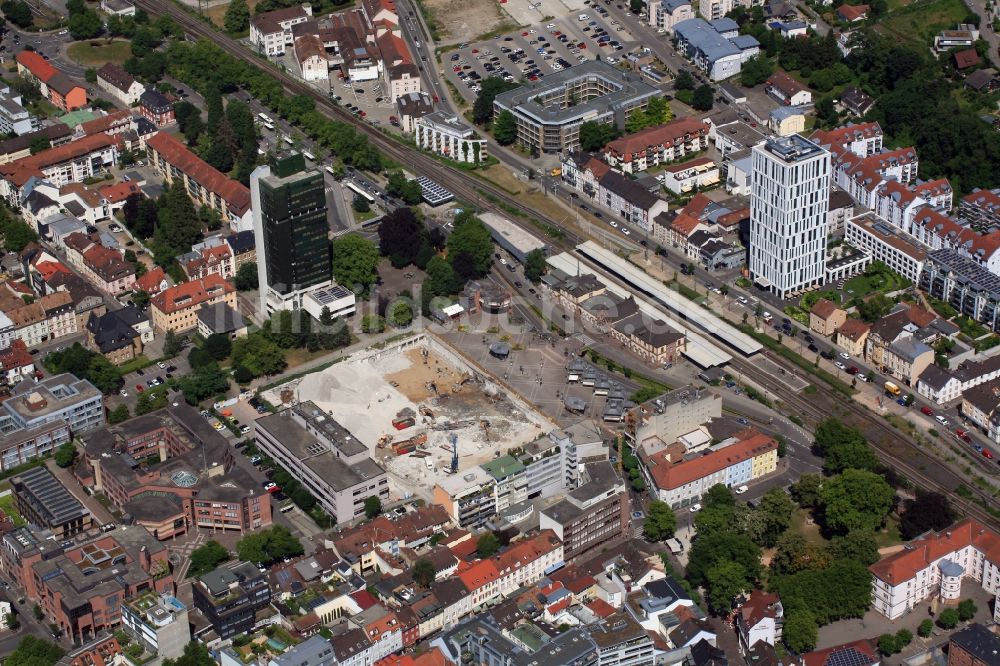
(897,250)
(715,47)
(789,201)
(935,565)
(447,135)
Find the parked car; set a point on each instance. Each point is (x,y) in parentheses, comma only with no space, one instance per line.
(927,410)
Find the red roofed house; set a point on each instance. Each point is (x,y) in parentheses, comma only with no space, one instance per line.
(681,482)
(966,59)
(856,653)
(981,208)
(16,362)
(759,618)
(852,13)
(71,162)
(205,184)
(176,308)
(114,123)
(825,317)
(153,282)
(787,90)
(217,260)
(103,267)
(656,145)
(116,194)
(55,85)
(482,580)
(934,565)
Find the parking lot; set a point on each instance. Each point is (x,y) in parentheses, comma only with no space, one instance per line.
(531,53)
(153,378)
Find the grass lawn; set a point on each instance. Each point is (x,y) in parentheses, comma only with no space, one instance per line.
(7,505)
(296,357)
(502,177)
(861,285)
(361,218)
(810,531)
(97,52)
(890,535)
(218,13)
(918,22)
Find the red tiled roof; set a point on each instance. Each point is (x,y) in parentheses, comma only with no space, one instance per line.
(478,575)
(49,268)
(734,218)
(364,599)
(107,263)
(19,171)
(601,608)
(15,356)
(36,64)
(967,58)
(674,475)
(235,194)
(853,329)
(786,84)
(119,191)
(662,135)
(684,224)
(824,308)
(758,605)
(150,282)
(105,123)
(848,133)
(852,12)
(697,205)
(921,553)
(527,550)
(190,294)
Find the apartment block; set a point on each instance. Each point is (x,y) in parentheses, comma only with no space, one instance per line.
(159,622)
(46,503)
(229,598)
(176,308)
(663,144)
(897,250)
(968,287)
(446,135)
(592,514)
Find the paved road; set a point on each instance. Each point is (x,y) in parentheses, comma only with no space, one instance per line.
(985,9)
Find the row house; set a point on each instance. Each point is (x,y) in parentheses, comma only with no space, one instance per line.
(54,85)
(216,260)
(382,628)
(629,200)
(650,147)
(905,332)
(899,204)
(862,176)
(43,200)
(981,209)
(72,162)
(981,406)
(205,184)
(942,386)
(16,363)
(104,267)
(118,83)
(862,139)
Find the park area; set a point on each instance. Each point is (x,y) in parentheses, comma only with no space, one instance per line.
(917,23)
(97,52)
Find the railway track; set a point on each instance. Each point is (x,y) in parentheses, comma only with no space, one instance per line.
(893,447)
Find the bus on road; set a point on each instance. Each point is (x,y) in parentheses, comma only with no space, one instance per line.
(264,119)
(360,192)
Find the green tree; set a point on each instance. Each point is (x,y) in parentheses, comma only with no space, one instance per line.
(929,511)
(401,234)
(268,545)
(594,135)
(118,415)
(237,17)
(171,344)
(65,454)
(710,549)
(246,277)
(925,628)
(150,401)
(660,522)
(195,654)
(85,25)
(470,247)
(966,610)
(360,204)
(858,545)
(441,277)
(756,70)
(104,376)
(401,314)
(806,490)
(373,506)
(207,557)
(203,382)
(851,455)
(718,495)
(17,12)
(33,651)
(505,128)
(726,581)
(684,80)
(800,631)
(948,619)
(90,76)
(887,645)
(372,324)
(777,508)
(793,554)
(258,354)
(179,227)
(873,308)
(534,265)
(355,262)
(218,346)
(487,545)
(903,638)
(489,88)
(658,111)
(856,499)
(423,573)
(703,98)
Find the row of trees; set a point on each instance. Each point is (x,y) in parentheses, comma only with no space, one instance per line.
(170,224)
(86,364)
(84,23)
(268,546)
(227,139)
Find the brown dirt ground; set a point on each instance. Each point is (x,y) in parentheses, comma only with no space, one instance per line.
(412,382)
(464,20)
(217,13)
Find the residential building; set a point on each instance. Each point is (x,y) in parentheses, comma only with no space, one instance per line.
(187,478)
(852,13)
(681,479)
(897,250)
(853,337)
(229,598)
(981,209)
(57,398)
(902,323)
(271,32)
(46,503)
(759,618)
(825,317)
(118,83)
(55,85)
(290,229)
(158,622)
(176,308)
(857,653)
(112,335)
(242,246)
(14,118)
(630,200)
(981,405)
(787,120)
(16,363)
(665,14)
(943,386)
(210,260)
(715,47)
(118,7)
(549,113)
(60,316)
(81,585)
(104,267)
(467,497)
(787,90)
(621,640)
(968,287)
(653,146)
(856,102)
(20,146)
(593,514)
(220,319)
(788,203)
(683,178)
(156,108)
(934,566)
(446,135)
(666,419)
(974,646)
(841,209)
(205,184)
(71,162)
(412,106)
(510,483)
(964,36)
(326,458)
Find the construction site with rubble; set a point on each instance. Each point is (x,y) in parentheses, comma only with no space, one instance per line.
(423,408)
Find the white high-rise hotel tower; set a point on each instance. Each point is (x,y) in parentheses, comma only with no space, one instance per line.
(789,200)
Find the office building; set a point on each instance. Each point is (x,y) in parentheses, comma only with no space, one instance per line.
(159,622)
(467,496)
(323,456)
(594,513)
(290,229)
(974,646)
(715,47)
(897,250)
(59,398)
(789,200)
(230,598)
(549,113)
(44,502)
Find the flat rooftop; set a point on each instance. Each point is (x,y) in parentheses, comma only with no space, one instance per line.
(792,148)
(883,231)
(521,239)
